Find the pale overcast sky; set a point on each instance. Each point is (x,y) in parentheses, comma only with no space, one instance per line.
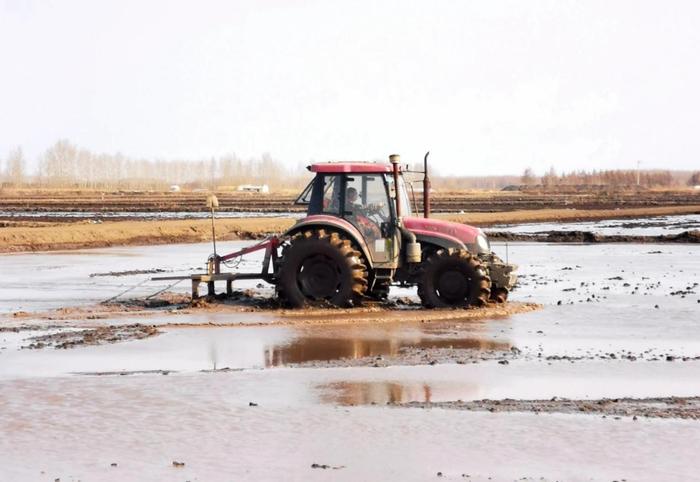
(490,87)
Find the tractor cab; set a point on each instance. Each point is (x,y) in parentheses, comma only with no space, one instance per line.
(361,194)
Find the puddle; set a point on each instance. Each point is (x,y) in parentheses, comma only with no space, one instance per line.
(327,348)
(194,349)
(382,393)
(518,380)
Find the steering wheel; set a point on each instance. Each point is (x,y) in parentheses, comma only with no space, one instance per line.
(376,209)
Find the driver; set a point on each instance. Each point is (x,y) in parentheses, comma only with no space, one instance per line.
(360,213)
(351,203)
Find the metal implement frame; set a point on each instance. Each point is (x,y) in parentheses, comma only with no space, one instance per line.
(214,273)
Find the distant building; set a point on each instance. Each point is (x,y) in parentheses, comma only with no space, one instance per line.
(264,188)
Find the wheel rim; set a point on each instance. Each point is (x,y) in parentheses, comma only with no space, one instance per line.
(452,286)
(319,277)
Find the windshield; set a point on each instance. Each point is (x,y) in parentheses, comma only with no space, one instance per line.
(403,195)
(305,196)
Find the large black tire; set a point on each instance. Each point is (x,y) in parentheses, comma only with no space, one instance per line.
(453,278)
(319,267)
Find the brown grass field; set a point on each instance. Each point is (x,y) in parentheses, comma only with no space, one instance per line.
(21,236)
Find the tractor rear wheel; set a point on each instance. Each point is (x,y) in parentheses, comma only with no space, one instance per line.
(452,278)
(319,267)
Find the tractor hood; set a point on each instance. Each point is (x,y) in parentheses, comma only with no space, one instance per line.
(443,229)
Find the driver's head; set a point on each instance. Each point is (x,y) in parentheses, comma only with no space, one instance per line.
(351,194)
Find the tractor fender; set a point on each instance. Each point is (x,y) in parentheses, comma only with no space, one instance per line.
(323,221)
(438,239)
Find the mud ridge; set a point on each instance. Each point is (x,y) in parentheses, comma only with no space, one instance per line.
(655,407)
(248,301)
(93,336)
(591,237)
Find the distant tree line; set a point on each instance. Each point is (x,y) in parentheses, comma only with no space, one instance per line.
(65,165)
(612,177)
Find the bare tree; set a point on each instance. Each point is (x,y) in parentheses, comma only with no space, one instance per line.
(694,179)
(58,164)
(528,177)
(551,178)
(16,168)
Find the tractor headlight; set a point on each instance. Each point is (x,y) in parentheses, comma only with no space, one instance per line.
(482,243)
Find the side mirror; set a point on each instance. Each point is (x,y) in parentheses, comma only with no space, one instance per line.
(387,229)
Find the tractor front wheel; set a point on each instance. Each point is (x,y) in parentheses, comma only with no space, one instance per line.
(499,295)
(321,268)
(453,278)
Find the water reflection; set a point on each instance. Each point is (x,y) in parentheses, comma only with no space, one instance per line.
(381,393)
(308,349)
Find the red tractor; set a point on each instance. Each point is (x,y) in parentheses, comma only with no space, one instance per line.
(359,237)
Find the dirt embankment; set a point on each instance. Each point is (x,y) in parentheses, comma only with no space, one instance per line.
(566,215)
(59,236)
(124,233)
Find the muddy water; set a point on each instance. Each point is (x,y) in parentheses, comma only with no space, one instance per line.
(619,320)
(77,427)
(194,349)
(40,281)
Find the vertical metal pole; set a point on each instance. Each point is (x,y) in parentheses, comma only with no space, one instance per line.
(395,159)
(213,203)
(426,187)
(213,231)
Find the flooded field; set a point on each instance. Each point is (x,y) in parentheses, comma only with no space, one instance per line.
(651,226)
(602,381)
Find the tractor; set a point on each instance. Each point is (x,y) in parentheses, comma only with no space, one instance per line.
(359,237)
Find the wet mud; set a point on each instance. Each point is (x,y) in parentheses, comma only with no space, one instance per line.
(269,308)
(66,339)
(129,272)
(653,407)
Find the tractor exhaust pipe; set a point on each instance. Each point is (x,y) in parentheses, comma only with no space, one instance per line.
(395,159)
(426,187)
